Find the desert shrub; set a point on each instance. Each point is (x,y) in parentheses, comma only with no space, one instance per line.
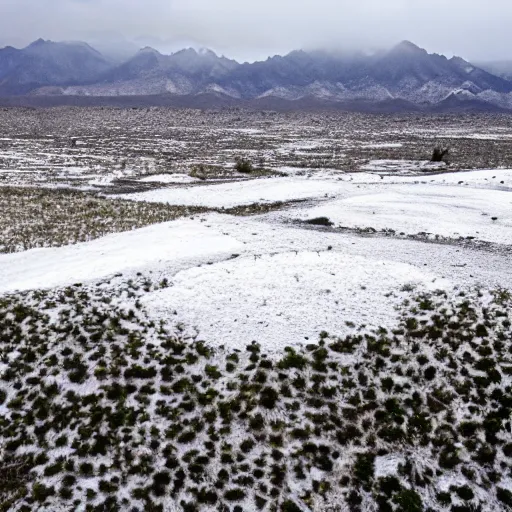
(290,506)
(40,492)
(409,501)
(465,493)
(268,397)
(439,154)
(319,221)
(505,496)
(292,360)
(364,468)
(244,165)
(199,172)
(235,494)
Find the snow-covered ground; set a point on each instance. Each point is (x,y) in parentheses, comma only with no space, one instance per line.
(382,145)
(402,166)
(235,279)
(169,178)
(240,193)
(411,209)
(487,178)
(170,245)
(287,298)
(238,279)
(349,399)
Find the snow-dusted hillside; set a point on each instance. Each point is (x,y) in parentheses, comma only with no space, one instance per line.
(404,77)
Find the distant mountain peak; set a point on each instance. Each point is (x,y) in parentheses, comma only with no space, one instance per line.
(38,42)
(297,54)
(186,51)
(42,46)
(206,52)
(405,72)
(408,47)
(46,63)
(458,60)
(148,49)
(193,53)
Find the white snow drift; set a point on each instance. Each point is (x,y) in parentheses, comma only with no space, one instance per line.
(286,299)
(289,283)
(170,245)
(411,209)
(240,193)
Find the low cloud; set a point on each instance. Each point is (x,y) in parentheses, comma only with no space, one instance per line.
(256,29)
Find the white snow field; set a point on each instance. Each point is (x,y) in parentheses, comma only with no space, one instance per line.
(169,178)
(402,166)
(411,209)
(238,279)
(486,178)
(286,284)
(168,244)
(287,298)
(240,193)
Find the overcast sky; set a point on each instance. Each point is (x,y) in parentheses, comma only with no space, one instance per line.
(254,29)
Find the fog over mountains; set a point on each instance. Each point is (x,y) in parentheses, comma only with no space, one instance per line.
(405,75)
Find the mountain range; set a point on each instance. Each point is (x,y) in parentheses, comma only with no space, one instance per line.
(405,75)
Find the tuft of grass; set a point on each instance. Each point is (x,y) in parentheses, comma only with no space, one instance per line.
(319,221)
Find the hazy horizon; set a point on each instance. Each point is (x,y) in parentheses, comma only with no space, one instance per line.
(255,31)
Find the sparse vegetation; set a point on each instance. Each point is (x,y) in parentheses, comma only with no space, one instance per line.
(319,221)
(104,408)
(199,172)
(394,401)
(53,218)
(48,218)
(243,165)
(111,149)
(439,154)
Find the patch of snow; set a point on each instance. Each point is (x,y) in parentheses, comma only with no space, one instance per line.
(287,298)
(449,480)
(447,211)
(169,178)
(174,244)
(402,166)
(239,193)
(382,145)
(475,136)
(387,465)
(317,173)
(487,178)
(102,181)
(300,145)
(246,131)
(506,483)
(266,235)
